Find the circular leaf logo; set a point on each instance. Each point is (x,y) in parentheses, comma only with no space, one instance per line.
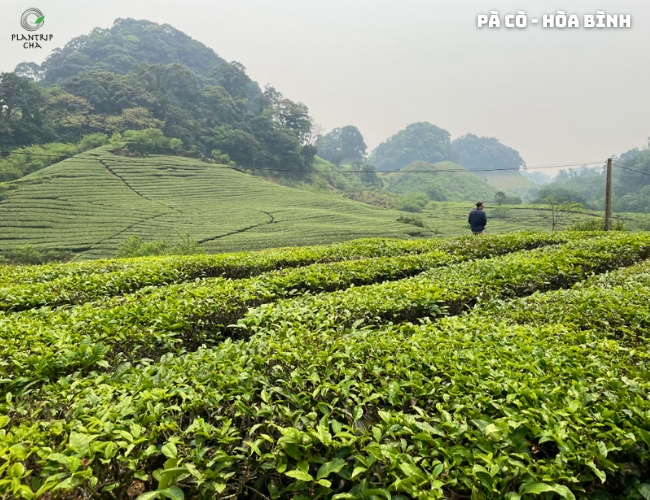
(32,19)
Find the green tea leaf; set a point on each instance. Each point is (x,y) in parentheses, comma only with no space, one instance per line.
(599,473)
(173,493)
(80,443)
(170,450)
(393,392)
(564,492)
(300,475)
(358,470)
(411,470)
(644,490)
(328,468)
(149,495)
(645,435)
(17,470)
(537,488)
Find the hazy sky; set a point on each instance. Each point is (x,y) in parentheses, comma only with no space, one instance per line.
(556,96)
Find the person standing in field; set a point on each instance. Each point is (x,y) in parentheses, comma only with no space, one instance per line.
(478,219)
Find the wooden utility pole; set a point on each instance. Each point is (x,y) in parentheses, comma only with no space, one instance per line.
(608,197)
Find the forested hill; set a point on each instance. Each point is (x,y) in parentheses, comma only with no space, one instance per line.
(119,49)
(426,142)
(630,184)
(141,76)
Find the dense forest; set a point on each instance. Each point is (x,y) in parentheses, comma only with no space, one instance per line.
(129,78)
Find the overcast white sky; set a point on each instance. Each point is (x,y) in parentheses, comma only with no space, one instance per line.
(554,95)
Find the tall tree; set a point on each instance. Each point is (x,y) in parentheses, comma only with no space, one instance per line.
(420,141)
(232,77)
(344,143)
(30,71)
(478,153)
(22,119)
(329,146)
(352,144)
(290,115)
(217,106)
(556,211)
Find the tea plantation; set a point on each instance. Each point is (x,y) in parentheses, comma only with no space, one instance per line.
(506,366)
(92,203)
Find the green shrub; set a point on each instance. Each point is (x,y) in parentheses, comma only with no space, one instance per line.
(79,282)
(408,219)
(29,159)
(643,225)
(134,246)
(24,161)
(440,291)
(222,158)
(413,202)
(93,141)
(596,224)
(501,198)
(499,213)
(29,254)
(186,246)
(210,303)
(151,141)
(4,190)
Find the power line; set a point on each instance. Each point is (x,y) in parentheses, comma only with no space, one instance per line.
(631,169)
(572,165)
(534,167)
(436,171)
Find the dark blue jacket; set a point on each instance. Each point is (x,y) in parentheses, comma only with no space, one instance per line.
(478,220)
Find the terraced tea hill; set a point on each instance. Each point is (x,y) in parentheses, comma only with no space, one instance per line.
(511,366)
(91,203)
